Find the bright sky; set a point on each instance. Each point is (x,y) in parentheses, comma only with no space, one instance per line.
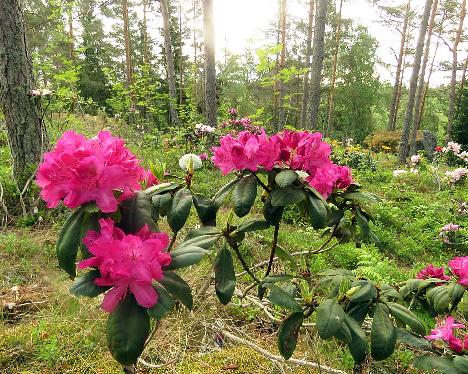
(240,22)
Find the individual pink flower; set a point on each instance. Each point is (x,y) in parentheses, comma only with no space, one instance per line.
(301,150)
(127,263)
(232,112)
(444,331)
(327,179)
(203,156)
(430,271)
(79,170)
(246,151)
(450,227)
(455,343)
(459,267)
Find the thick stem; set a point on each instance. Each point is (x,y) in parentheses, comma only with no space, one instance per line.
(264,186)
(233,244)
(273,250)
(171,243)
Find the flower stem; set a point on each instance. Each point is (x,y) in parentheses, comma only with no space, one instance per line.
(233,244)
(273,249)
(173,239)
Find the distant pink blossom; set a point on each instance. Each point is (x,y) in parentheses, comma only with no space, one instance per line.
(203,156)
(80,170)
(327,179)
(450,227)
(232,111)
(246,151)
(459,267)
(127,263)
(430,271)
(415,159)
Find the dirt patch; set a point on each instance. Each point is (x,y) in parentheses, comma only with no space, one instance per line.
(20,302)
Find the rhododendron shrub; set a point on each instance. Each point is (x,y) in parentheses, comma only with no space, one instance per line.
(122,256)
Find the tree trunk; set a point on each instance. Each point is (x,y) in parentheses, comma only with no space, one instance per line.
(331,105)
(181,66)
(128,53)
(145,33)
(317,62)
(421,83)
(453,81)
(403,151)
(397,88)
(281,65)
(26,133)
(465,66)
(400,86)
(169,63)
(210,67)
(426,87)
(305,87)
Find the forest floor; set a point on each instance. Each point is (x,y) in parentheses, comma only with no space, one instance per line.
(44,329)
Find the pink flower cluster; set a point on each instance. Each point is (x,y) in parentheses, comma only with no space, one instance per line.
(246,151)
(430,271)
(459,268)
(445,332)
(127,263)
(79,170)
(232,112)
(296,150)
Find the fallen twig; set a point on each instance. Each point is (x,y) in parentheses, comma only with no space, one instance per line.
(271,356)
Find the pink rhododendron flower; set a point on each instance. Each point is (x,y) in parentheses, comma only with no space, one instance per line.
(79,170)
(329,178)
(232,111)
(203,156)
(459,267)
(246,151)
(445,329)
(430,271)
(127,263)
(301,150)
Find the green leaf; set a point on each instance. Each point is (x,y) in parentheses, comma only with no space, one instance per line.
(358,345)
(286,196)
(272,213)
(85,286)
(221,194)
(288,333)
(362,222)
(344,334)
(406,316)
(463,305)
(330,316)
(277,278)
(68,242)
(439,364)
(253,225)
(205,230)
(180,209)
(317,211)
(359,311)
(244,195)
(456,292)
(202,241)
(185,256)
(461,363)
(383,333)
(286,178)
(128,328)
(439,298)
(162,203)
(279,297)
(90,222)
(413,340)
(160,189)
(225,276)
(136,212)
(178,288)
(206,209)
(164,304)
(365,293)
